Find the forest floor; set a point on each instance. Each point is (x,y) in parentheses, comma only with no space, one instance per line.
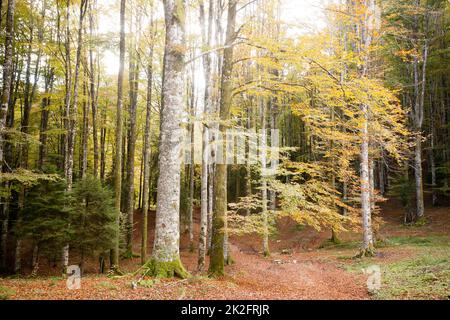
(414,263)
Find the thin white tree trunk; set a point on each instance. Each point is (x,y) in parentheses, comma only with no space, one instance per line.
(365,186)
(210,198)
(263,150)
(147,151)
(72,123)
(366,206)
(206,39)
(190,224)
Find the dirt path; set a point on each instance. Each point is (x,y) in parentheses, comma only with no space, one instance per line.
(294,277)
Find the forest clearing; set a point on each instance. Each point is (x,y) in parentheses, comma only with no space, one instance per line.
(224,150)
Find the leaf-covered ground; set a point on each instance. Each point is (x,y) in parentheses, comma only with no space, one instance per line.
(414,263)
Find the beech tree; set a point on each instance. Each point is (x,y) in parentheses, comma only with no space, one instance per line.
(165,261)
(118,146)
(216,265)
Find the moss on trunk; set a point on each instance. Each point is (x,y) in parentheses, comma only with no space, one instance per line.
(162,269)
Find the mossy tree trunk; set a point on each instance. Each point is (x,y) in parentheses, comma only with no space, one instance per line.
(216,267)
(165,261)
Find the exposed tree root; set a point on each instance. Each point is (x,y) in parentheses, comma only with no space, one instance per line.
(334,237)
(366,252)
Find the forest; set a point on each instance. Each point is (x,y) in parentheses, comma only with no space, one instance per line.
(224,149)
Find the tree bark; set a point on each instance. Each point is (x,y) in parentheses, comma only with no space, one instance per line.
(190,222)
(165,260)
(84,134)
(25,121)
(366,41)
(72,114)
(216,266)
(134,87)
(5,98)
(206,40)
(93,94)
(7,73)
(419,95)
(119,123)
(146,158)
(264,176)
(365,186)
(103,133)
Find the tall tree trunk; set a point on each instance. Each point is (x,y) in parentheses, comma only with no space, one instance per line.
(274,159)
(365,186)
(166,252)
(146,158)
(84,133)
(68,88)
(264,176)
(25,122)
(103,133)
(190,222)
(93,94)
(27,97)
(74,105)
(419,95)
(248,166)
(119,123)
(5,98)
(216,266)
(366,41)
(206,39)
(72,115)
(432,152)
(134,87)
